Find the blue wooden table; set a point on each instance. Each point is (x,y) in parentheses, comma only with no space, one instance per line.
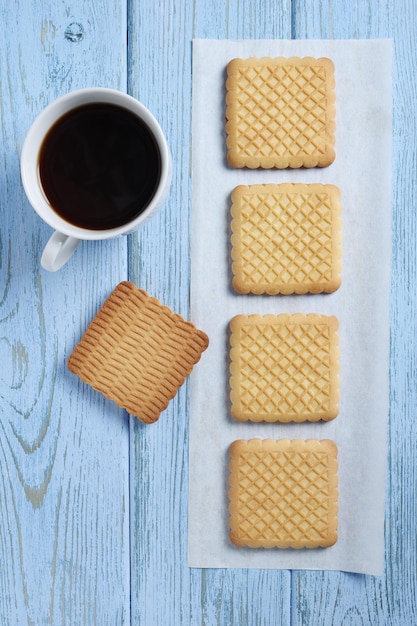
(93,504)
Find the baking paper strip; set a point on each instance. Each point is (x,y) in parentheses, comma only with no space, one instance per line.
(362,171)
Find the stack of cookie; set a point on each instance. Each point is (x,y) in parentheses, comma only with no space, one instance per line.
(286,239)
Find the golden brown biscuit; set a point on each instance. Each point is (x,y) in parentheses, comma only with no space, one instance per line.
(137,352)
(284,368)
(280,112)
(286,238)
(283,493)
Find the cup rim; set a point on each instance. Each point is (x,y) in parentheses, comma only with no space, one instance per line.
(33,141)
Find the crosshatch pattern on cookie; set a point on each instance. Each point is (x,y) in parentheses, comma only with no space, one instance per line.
(286,238)
(284,368)
(137,352)
(280,112)
(283,493)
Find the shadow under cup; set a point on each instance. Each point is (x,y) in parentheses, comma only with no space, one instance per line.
(99,166)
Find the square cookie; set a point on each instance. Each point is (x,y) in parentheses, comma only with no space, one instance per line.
(286,238)
(137,352)
(283,493)
(280,112)
(284,368)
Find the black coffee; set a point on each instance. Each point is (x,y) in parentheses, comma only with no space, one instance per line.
(99,166)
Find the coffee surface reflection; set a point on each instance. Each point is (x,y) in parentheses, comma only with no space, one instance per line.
(99,166)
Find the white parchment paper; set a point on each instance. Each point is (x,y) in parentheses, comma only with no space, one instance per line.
(362,170)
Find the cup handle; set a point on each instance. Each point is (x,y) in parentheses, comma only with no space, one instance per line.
(57,251)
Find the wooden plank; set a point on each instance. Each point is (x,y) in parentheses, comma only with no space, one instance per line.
(164,589)
(64,506)
(336,598)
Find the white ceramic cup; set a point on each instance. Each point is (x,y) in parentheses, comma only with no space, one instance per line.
(67,236)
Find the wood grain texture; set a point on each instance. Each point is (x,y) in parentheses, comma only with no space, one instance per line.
(64,506)
(93,505)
